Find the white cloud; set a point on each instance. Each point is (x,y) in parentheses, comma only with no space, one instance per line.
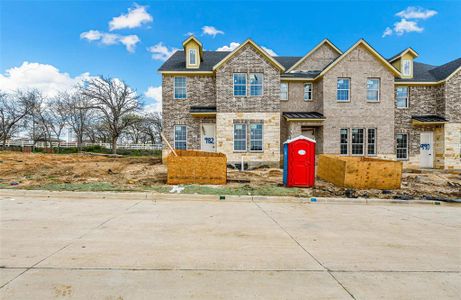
(211,30)
(45,78)
(404,26)
(135,17)
(155,93)
(270,51)
(129,41)
(233,45)
(413,12)
(161,52)
(387,31)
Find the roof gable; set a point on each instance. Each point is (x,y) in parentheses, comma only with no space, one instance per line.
(370,49)
(254,45)
(402,53)
(324,42)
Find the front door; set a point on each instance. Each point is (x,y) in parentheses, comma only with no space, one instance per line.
(426,150)
(208,137)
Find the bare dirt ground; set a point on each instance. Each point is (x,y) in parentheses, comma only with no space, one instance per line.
(19,170)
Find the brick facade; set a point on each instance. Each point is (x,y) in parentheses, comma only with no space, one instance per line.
(359,64)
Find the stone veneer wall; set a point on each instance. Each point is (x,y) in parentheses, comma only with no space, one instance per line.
(271,138)
(319,59)
(452,145)
(359,65)
(248,60)
(200,91)
(453,98)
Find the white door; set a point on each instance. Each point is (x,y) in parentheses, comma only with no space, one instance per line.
(426,150)
(309,133)
(208,137)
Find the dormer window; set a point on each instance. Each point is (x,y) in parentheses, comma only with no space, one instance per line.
(192,56)
(406,67)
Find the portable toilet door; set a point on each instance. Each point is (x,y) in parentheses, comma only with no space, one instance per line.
(301,162)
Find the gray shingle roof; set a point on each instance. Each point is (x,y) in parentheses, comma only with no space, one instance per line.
(421,72)
(177,62)
(428,73)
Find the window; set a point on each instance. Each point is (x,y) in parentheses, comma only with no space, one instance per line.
(180,87)
(240,137)
(343,89)
(373,89)
(180,137)
(344,140)
(284,91)
(192,57)
(256,137)
(401,97)
(406,67)
(256,84)
(357,141)
(402,146)
(307,91)
(371,141)
(240,84)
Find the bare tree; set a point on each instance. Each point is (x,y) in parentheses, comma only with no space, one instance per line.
(115,100)
(152,127)
(79,114)
(14,109)
(57,116)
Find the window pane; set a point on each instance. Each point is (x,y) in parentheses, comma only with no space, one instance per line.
(371,139)
(256,137)
(240,84)
(180,87)
(342,93)
(192,56)
(256,84)
(284,91)
(240,137)
(180,137)
(357,141)
(406,67)
(401,96)
(343,137)
(308,91)
(402,146)
(373,89)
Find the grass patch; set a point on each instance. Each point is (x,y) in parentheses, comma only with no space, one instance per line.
(244,190)
(82,187)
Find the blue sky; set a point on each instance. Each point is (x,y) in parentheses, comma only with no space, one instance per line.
(63,41)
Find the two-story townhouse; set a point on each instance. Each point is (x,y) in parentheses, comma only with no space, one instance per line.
(245,103)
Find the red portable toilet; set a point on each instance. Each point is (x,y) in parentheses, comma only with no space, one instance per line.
(299,162)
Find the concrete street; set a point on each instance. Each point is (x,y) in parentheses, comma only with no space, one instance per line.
(175,247)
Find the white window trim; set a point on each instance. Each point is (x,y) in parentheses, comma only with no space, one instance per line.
(375,143)
(363,144)
(285,83)
(408,98)
(174,87)
(262,85)
(304,92)
(195,57)
(347,143)
(379,89)
(246,137)
(403,67)
(349,90)
(233,85)
(262,137)
(407,148)
(174,135)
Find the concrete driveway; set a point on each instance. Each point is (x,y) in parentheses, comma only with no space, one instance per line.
(178,248)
